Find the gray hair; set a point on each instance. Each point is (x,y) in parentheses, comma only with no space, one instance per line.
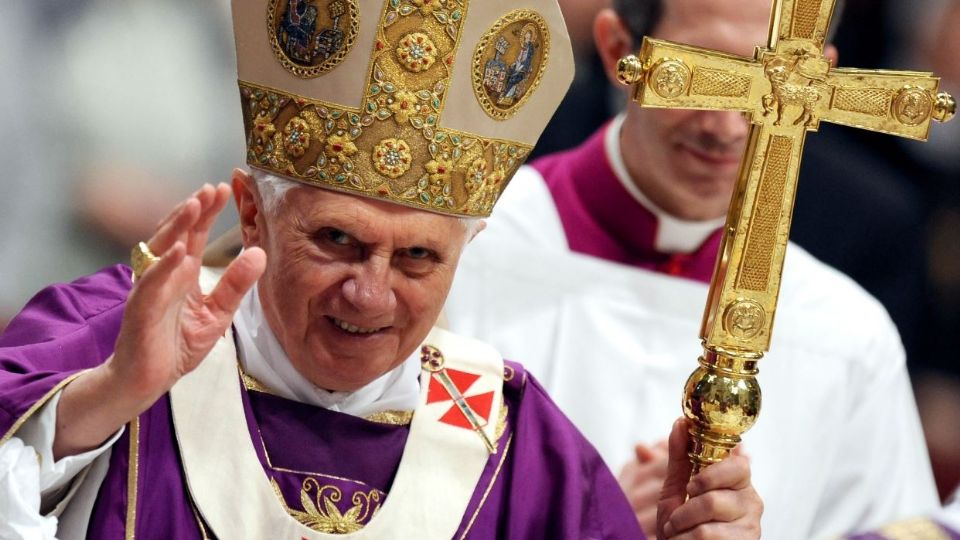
(273,192)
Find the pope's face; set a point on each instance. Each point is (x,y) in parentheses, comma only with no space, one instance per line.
(352,285)
(687,161)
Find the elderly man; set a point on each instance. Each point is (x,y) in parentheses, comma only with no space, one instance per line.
(302,391)
(594,270)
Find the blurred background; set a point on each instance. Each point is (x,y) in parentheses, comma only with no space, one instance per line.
(114,111)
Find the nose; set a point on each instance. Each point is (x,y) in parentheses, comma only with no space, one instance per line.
(726,126)
(368,290)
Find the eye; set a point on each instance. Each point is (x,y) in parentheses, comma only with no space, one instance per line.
(336,236)
(416,261)
(419,253)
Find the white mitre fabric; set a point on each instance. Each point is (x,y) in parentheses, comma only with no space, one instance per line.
(838,446)
(23,488)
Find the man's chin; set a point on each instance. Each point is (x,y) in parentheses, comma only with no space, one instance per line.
(343,368)
(350,377)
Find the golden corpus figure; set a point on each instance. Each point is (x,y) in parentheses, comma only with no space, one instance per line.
(786,90)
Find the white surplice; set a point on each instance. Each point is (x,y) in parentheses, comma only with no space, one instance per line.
(838,446)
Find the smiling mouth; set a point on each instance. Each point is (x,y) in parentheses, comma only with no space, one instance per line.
(716,158)
(352,329)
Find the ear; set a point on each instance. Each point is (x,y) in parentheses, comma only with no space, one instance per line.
(248,207)
(613,41)
(832,54)
(480,227)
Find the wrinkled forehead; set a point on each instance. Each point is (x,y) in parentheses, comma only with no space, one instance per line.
(371,220)
(732,26)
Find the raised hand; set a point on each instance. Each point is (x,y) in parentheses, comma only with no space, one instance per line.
(718,503)
(169,326)
(641,479)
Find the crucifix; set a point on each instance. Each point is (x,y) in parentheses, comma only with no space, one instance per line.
(785,90)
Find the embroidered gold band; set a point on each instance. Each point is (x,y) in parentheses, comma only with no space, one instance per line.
(395,153)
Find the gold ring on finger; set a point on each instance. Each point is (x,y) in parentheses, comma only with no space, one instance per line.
(141,258)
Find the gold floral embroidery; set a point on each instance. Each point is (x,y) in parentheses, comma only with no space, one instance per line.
(485,194)
(320,511)
(427,6)
(392,157)
(476,174)
(439,170)
(296,137)
(340,147)
(263,130)
(417,52)
(404,106)
(434,188)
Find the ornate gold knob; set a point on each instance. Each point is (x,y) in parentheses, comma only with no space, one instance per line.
(944,108)
(630,70)
(722,399)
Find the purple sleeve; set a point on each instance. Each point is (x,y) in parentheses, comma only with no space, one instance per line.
(560,486)
(62,331)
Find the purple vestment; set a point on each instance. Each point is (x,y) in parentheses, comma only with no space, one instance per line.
(549,482)
(602,219)
(931,529)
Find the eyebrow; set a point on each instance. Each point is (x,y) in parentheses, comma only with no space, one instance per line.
(348,226)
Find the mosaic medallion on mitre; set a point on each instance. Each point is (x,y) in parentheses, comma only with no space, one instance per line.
(311,37)
(509,62)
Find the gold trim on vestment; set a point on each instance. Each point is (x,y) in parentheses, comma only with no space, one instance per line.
(324,516)
(501,422)
(914,529)
(133,469)
(253,384)
(392,418)
(385,417)
(486,493)
(266,455)
(196,515)
(36,406)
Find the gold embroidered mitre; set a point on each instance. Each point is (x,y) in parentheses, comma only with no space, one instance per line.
(428,103)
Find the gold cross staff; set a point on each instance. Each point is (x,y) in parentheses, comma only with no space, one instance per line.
(787,89)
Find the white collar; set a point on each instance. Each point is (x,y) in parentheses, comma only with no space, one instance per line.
(264,359)
(673,235)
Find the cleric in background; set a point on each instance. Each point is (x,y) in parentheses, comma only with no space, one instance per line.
(595,271)
(302,391)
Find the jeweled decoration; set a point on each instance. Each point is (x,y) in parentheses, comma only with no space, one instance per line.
(311,37)
(509,62)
